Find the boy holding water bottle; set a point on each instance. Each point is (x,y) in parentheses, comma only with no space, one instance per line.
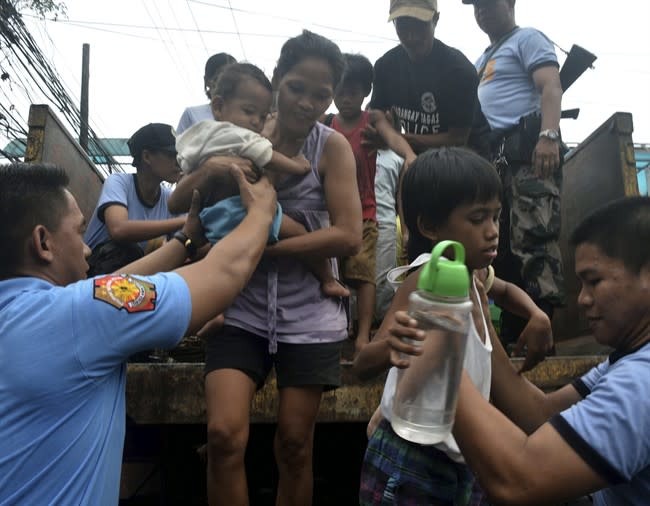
(447,194)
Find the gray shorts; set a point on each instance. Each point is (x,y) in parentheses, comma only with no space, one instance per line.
(296,365)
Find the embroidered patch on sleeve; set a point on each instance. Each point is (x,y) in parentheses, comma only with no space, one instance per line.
(125,292)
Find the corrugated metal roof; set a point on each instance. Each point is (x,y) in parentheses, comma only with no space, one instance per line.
(112,146)
(642,178)
(642,159)
(16,148)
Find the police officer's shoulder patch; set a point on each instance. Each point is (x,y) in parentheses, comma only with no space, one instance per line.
(123,291)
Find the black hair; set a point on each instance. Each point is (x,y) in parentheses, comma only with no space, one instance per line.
(438,182)
(213,66)
(30,195)
(621,230)
(358,70)
(216,61)
(232,75)
(309,45)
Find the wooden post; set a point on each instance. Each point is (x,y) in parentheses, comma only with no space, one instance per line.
(85,77)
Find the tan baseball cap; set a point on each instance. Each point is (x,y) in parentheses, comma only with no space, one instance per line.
(424,10)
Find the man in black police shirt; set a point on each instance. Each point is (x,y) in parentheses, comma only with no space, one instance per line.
(429,86)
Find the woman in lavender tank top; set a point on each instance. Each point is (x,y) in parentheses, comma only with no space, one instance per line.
(282,319)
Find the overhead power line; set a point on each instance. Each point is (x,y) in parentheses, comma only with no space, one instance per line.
(234,20)
(27,59)
(170,47)
(293,20)
(189,7)
(94,25)
(73,91)
(85,26)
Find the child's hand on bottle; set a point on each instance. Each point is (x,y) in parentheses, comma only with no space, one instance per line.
(403,327)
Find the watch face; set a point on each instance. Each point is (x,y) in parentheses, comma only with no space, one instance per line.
(550,134)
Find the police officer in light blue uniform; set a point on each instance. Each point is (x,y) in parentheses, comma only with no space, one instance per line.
(521,97)
(213,68)
(132,208)
(64,339)
(63,377)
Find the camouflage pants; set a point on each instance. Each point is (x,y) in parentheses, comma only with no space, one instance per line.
(529,250)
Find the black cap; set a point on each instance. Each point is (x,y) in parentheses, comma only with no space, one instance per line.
(154,136)
(217,61)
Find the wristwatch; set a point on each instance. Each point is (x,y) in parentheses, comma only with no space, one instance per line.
(187,242)
(553,135)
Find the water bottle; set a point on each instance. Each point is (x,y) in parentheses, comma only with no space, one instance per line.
(426,392)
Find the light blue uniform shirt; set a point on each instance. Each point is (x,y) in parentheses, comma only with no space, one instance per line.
(121,189)
(62,401)
(193,115)
(610,427)
(507,91)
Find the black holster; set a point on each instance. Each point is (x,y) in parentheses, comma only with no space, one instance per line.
(109,256)
(515,146)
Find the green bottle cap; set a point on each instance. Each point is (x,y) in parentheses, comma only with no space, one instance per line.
(443,277)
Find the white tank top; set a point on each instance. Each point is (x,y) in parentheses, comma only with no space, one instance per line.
(477,363)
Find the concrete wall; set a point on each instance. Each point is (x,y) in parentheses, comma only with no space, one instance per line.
(48,141)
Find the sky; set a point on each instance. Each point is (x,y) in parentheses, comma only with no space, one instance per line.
(147,56)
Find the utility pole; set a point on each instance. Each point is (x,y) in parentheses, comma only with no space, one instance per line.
(85,77)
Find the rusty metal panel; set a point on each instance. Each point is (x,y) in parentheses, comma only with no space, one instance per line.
(600,169)
(48,141)
(174,393)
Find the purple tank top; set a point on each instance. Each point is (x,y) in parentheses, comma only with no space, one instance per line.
(283,300)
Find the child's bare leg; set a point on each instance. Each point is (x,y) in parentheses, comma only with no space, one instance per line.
(377,417)
(320,267)
(290,228)
(360,270)
(365,312)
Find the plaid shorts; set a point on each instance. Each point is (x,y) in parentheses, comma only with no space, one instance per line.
(398,472)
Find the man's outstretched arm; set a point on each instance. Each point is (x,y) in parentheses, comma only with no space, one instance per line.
(513,467)
(217,279)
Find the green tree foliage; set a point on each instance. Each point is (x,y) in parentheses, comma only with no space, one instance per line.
(41,7)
